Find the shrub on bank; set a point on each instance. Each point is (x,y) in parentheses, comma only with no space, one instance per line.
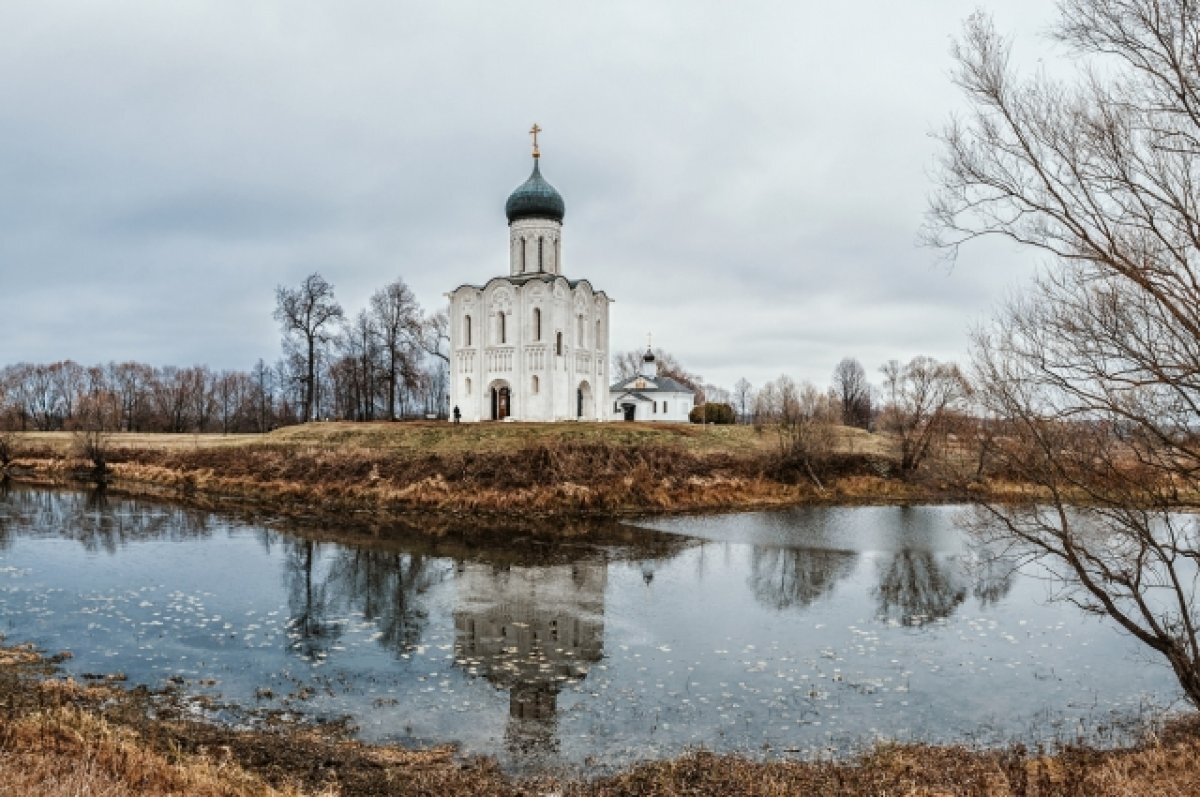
(712,412)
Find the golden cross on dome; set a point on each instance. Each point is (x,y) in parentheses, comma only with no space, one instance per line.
(533,131)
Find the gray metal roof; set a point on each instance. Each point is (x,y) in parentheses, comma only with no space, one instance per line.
(661,384)
(637,396)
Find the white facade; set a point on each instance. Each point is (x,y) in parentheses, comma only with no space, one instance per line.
(533,345)
(650,397)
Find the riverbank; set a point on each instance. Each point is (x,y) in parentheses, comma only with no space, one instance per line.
(61,737)
(514,470)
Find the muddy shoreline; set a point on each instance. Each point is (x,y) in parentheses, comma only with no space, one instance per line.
(148,742)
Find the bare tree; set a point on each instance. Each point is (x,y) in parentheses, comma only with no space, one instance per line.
(36,387)
(170,394)
(397,321)
(359,369)
(743,398)
(201,393)
(6,402)
(803,419)
(920,397)
(263,396)
(306,313)
(435,336)
(129,381)
(68,379)
(234,393)
(96,406)
(1097,370)
(715,394)
(853,393)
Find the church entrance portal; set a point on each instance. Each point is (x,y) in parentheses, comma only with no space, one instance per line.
(583,397)
(629,410)
(501,402)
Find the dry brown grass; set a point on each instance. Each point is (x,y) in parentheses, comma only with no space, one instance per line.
(60,442)
(69,751)
(500,468)
(442,437)
(1162,770)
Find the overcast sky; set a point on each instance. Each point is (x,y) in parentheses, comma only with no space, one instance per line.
(746,180)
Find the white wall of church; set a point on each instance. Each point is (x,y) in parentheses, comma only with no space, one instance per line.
(535,245)
(669,407)
(512,340)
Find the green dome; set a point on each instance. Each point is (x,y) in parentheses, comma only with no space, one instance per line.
(535,198)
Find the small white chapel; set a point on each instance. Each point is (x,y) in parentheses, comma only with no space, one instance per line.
(531,345)
(650,397)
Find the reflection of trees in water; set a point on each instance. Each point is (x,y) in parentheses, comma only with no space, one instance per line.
(312,629)
(991,574)
(96,519)
(916,587)
(5,518)
(784,578)
(530,631)
(388,587)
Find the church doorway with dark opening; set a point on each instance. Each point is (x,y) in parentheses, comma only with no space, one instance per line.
(501,401)
(630,411)
(583,398)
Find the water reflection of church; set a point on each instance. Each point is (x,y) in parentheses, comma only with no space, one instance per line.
(530,631)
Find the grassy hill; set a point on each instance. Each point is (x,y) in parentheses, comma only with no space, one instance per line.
(508,468)
(441,437)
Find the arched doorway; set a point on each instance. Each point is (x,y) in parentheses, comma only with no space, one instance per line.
(583,398)
(501,401)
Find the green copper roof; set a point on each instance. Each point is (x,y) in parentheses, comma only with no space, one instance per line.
(535,198)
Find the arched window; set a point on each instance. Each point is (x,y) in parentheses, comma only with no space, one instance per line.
(558,343)
(535,385)
(579,332)
(537,323)
(467,387)
(557,257)
(503,328)
(467,329)
(540,266)
(664,406)
(524,260)
(596,340)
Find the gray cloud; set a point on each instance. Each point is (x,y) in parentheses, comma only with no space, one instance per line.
(746,180)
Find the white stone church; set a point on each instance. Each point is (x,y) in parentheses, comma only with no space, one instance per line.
(531,345)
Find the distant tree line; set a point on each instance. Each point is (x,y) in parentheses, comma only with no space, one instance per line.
(389,361)
(923,405)
(136,397)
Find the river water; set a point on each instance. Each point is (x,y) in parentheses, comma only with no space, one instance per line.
(809,632)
